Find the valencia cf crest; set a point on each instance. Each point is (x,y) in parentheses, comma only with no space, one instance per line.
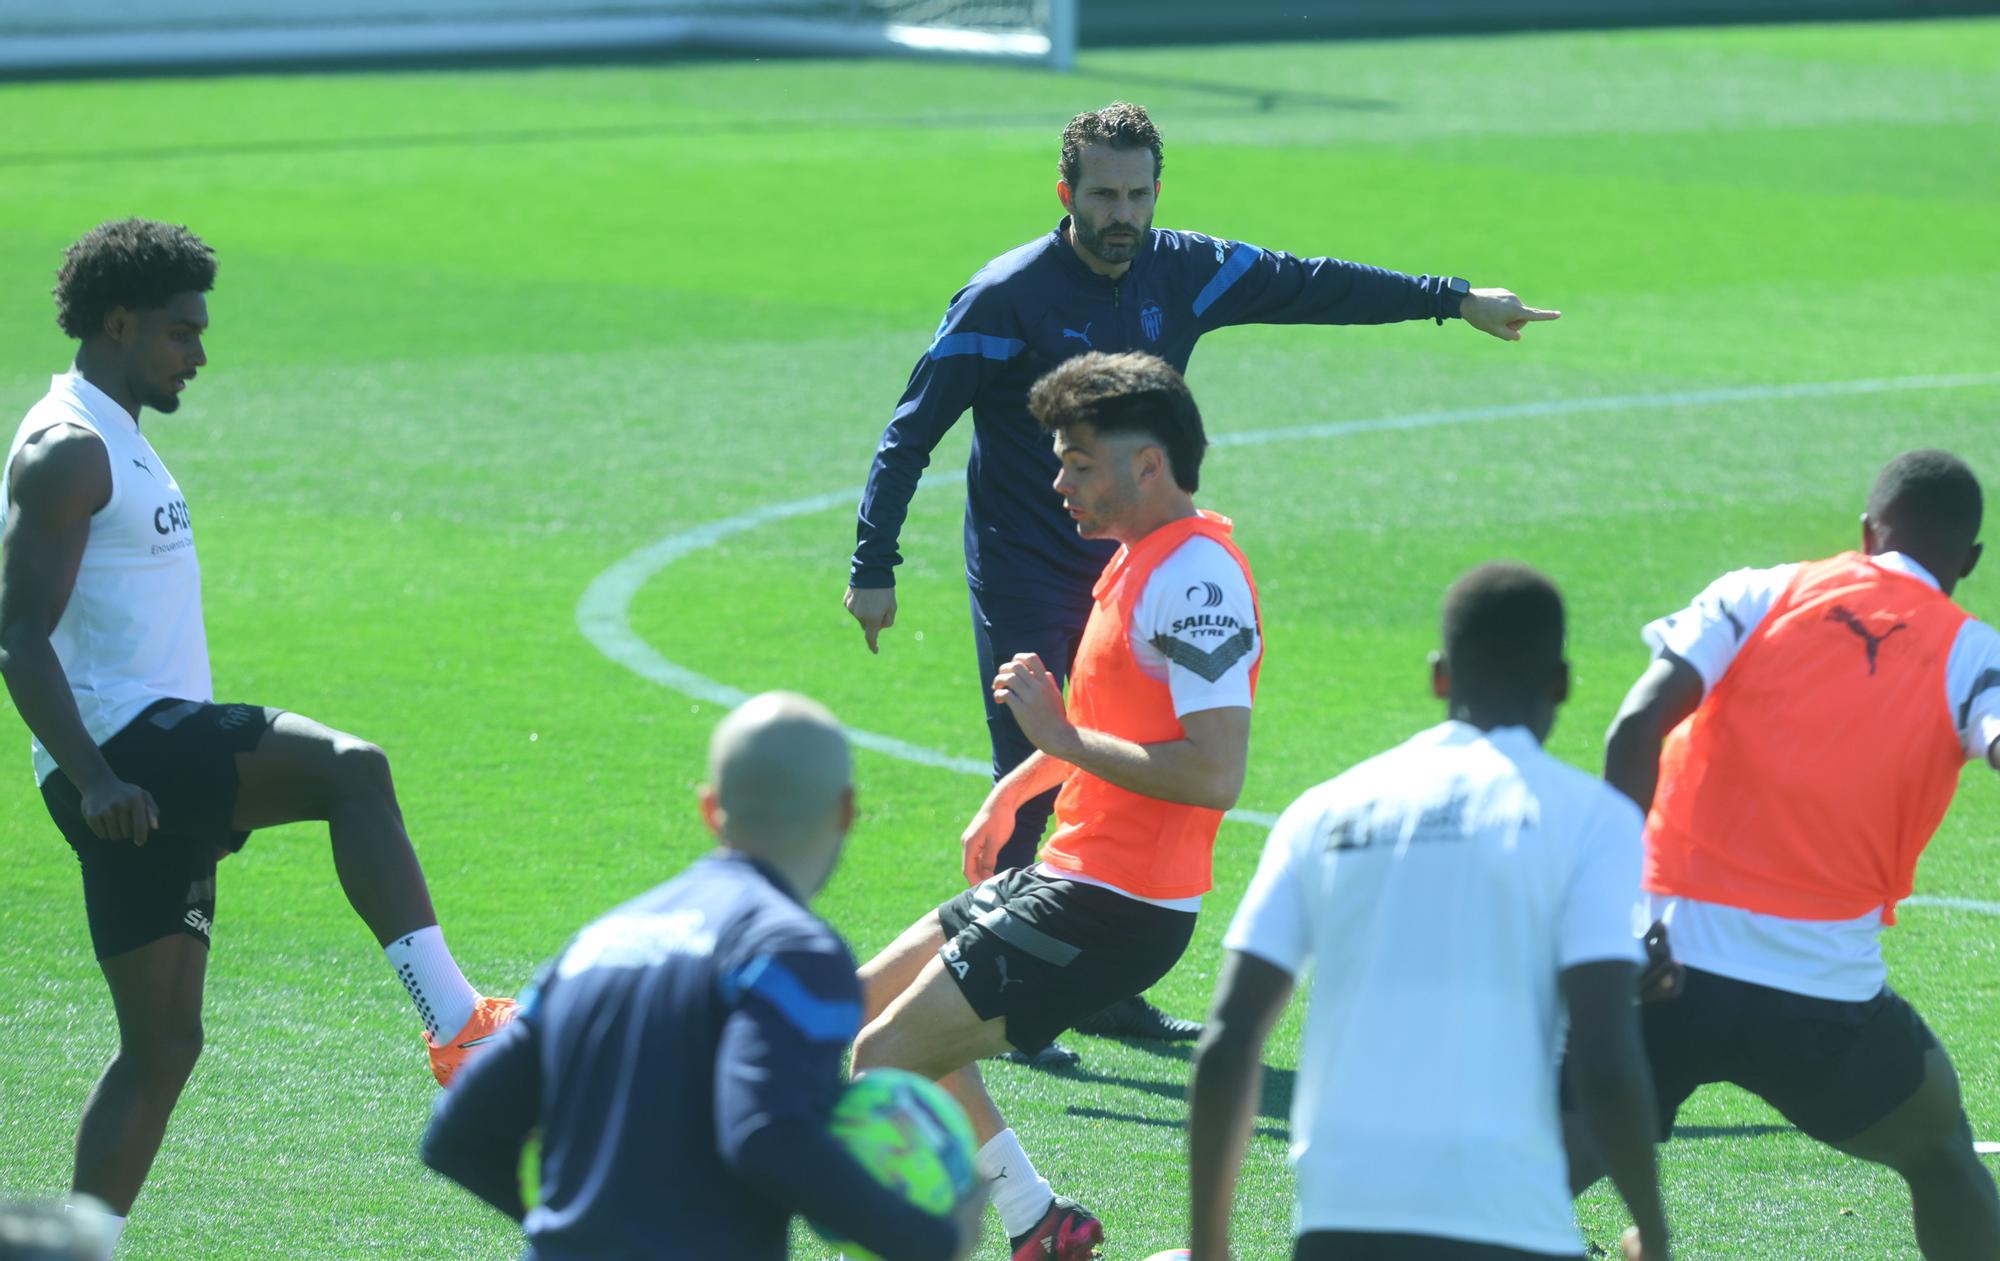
(1152,321)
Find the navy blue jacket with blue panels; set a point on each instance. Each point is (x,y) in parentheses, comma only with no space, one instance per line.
(681,1059)
(1035,306)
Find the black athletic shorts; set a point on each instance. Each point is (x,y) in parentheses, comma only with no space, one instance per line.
(1362,1245)
(184,753)
(1832,1068)
(1045,952)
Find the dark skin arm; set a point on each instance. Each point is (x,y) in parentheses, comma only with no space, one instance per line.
(1665,694)
(1663,697)
(1228,1077)
(1614,1090)
(60,478)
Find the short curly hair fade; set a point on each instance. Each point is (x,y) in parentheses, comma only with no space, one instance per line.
(139,264)
(1120,125)
(1132,392)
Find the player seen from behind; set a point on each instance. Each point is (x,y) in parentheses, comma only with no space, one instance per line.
(1797,740)
(682,1055)
(1455,896)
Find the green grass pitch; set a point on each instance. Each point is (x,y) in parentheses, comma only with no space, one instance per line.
(479,336)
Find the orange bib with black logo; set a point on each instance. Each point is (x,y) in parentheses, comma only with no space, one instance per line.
(1152,848)
(1812,776)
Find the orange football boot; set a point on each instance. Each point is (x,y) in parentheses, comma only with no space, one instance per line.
(489,1016)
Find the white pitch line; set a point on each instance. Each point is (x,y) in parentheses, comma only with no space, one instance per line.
(603,613)
(1952,904)
(1606,403)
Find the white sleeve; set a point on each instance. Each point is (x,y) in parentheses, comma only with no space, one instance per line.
(1272,922)
(1708,633)
(1601,919)
(1972,676)
(1196,625)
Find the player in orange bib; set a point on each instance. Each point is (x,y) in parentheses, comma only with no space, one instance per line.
(1148,751)
(1797,740)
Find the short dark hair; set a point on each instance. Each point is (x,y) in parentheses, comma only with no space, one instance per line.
(1503,629)
(1132,392)
(1929,499)
(1121,125)
(139,264)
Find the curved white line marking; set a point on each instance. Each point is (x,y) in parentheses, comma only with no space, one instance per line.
(603,615)
(603,612)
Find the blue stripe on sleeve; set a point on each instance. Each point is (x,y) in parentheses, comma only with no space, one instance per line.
(976,344)
(1241,259)
(820,1019)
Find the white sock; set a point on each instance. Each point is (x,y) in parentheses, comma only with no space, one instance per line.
(424,965)
(105,1225)
(1020,1194)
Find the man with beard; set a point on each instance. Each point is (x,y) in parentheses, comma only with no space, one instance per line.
(1103,280)
(105,655)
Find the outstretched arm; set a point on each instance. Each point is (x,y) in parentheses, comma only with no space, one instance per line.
(58,481)
(1252,285)
(1223,1092)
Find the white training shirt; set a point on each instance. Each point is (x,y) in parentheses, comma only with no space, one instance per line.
(1194,627)
(132,632)
(1439,890)
(1834,959)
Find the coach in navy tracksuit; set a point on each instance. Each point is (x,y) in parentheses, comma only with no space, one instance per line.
(1104,279)
(681,1056)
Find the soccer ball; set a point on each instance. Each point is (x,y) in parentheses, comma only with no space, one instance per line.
(910,1136)
(1171,1254)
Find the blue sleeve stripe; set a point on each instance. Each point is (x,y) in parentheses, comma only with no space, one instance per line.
(1241,259)
(820,1019)
(980,344)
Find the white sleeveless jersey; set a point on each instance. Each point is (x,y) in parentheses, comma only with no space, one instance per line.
(132,632)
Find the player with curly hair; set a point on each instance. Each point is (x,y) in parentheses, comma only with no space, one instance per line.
(104,651)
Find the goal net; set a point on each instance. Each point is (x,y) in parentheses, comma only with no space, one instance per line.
(37,37)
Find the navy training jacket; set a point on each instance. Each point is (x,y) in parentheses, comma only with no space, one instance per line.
(1037,305)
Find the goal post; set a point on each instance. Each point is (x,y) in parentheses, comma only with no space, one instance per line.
(88,35)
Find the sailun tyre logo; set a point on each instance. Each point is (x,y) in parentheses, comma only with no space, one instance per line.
(1206,594)
(1152,321)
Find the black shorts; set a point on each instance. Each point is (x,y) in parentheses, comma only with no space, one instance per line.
(1832,1068)
(184,754)
(1045,952)
(1368,1245)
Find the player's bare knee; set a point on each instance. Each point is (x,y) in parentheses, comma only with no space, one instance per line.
(873,1046)
(360,769)
(163,1059)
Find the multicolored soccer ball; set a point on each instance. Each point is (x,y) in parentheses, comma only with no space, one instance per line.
(910,1136)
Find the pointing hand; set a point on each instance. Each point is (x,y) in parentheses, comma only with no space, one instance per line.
(1499,312)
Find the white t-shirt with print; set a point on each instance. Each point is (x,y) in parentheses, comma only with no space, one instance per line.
(1439,890)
